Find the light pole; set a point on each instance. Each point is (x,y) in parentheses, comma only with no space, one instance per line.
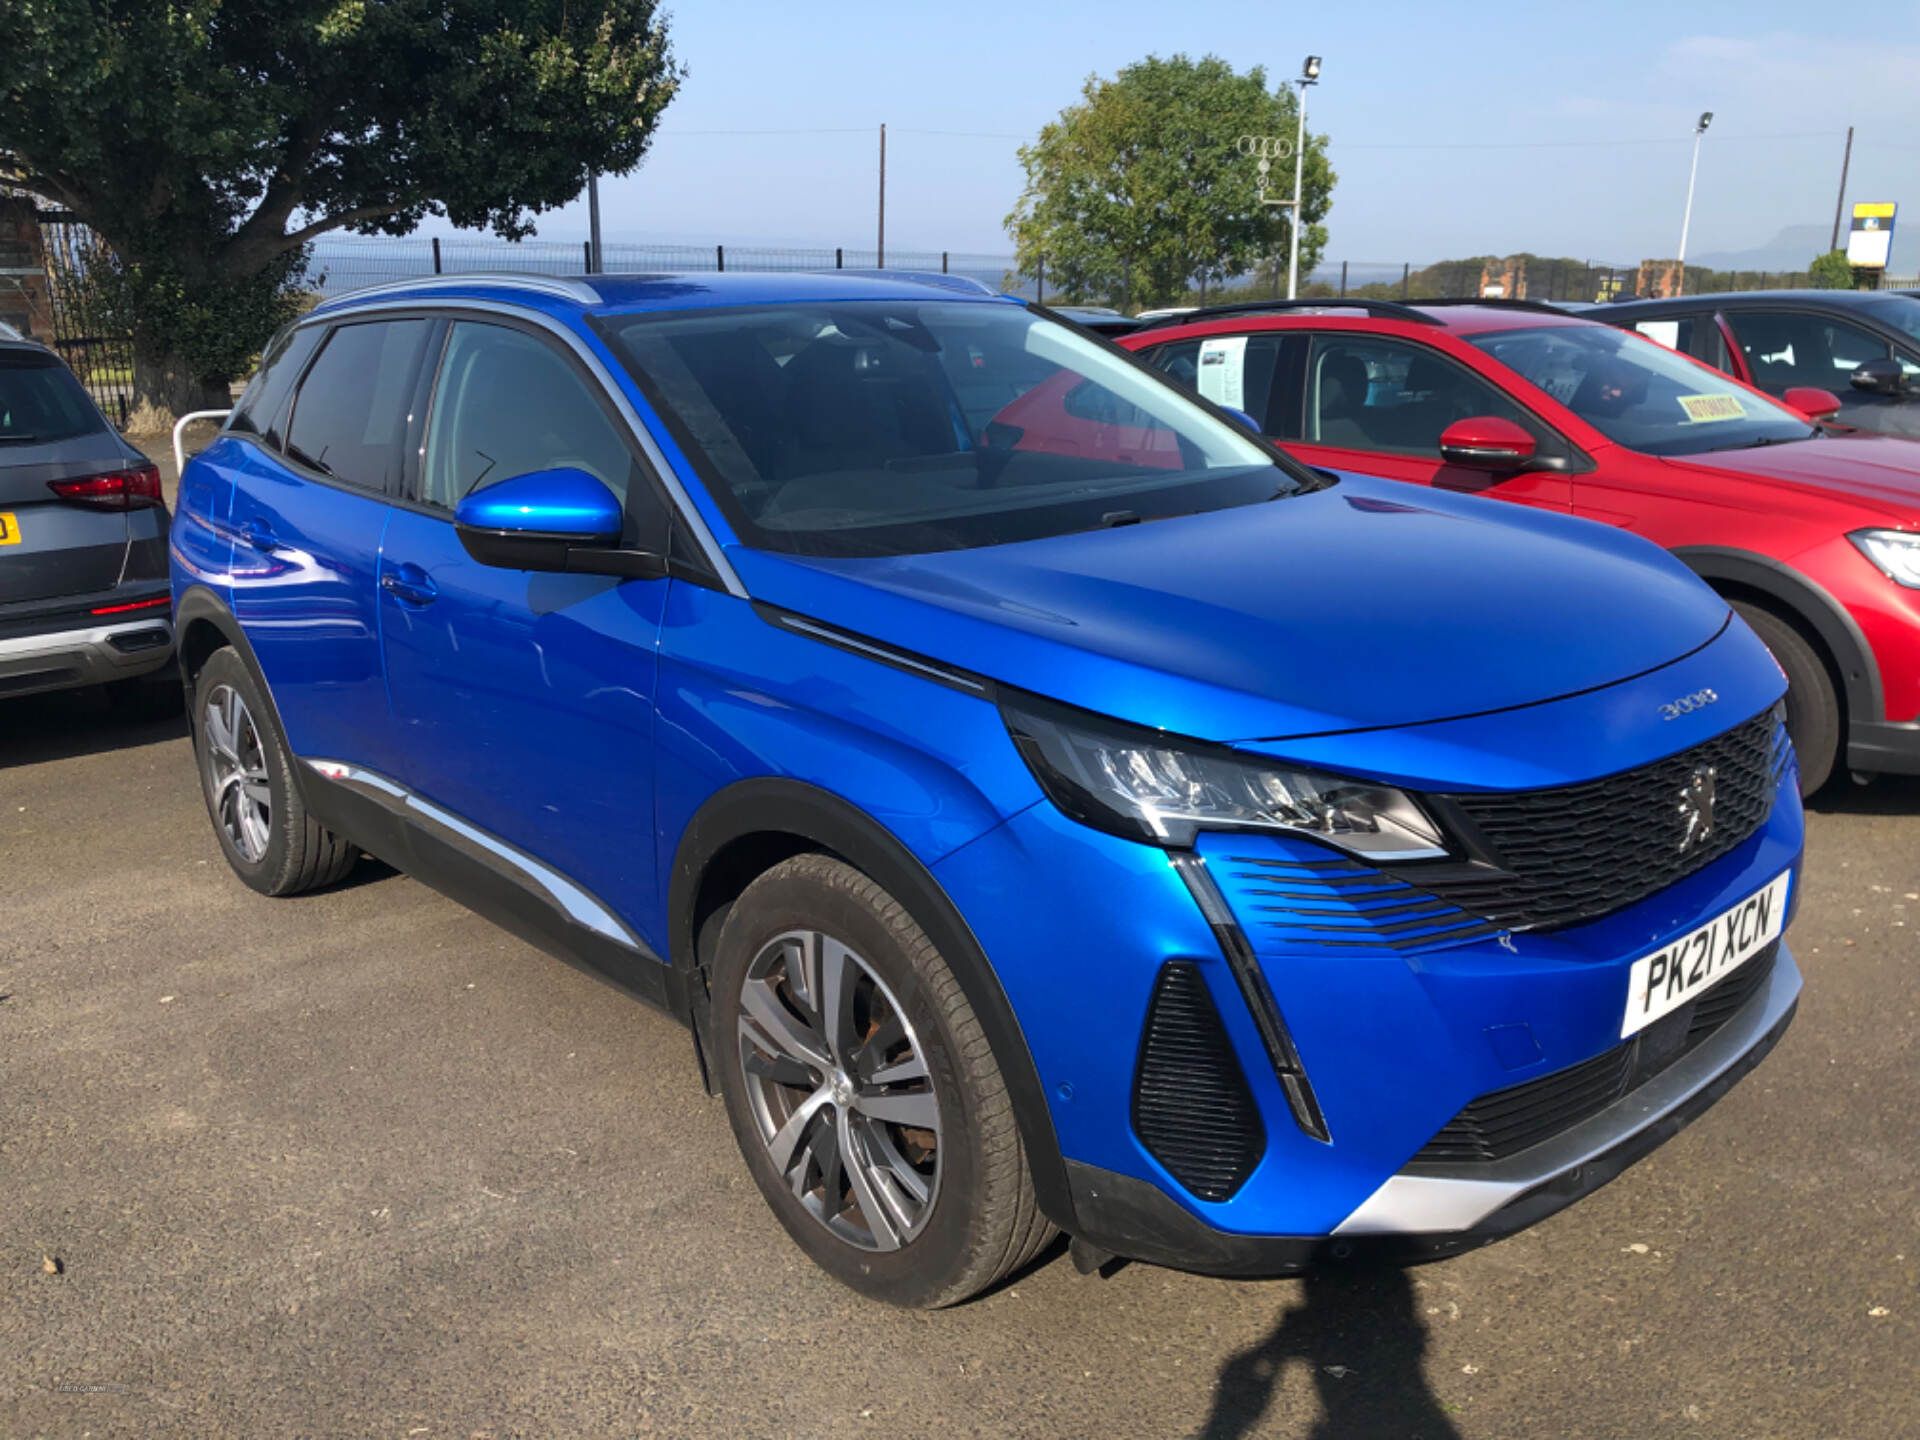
(1706,119)
(1309,75)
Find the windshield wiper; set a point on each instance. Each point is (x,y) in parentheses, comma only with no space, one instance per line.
(18,438)
(1763,440)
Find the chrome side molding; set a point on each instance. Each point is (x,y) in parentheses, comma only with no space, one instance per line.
(509,862)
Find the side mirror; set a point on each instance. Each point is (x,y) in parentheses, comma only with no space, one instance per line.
(1816,405)
(554,520)
(1243,417)
(1880,377)
(1486,442)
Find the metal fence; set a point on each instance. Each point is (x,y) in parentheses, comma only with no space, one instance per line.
(95,346)
(343,263)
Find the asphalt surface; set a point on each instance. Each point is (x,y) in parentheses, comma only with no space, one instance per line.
(359,1164)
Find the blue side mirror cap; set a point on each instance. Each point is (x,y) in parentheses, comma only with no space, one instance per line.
(559,503)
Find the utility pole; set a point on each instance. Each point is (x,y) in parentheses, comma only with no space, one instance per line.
(593,222)
(1706,119)
(1309,75)
(1841,204)
(880,250)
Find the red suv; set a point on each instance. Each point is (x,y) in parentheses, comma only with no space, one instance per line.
(1813,538)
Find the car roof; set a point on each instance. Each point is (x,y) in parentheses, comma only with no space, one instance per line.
(1836,299)
(621,294)
(1471,317)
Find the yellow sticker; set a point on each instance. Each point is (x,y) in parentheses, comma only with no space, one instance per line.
(9,528)
(1703,408)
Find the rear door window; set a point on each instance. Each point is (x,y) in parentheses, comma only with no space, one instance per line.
(1800,347)
(40,401)
(1371,393)
(350,417)
(1697,335)
(1243,372)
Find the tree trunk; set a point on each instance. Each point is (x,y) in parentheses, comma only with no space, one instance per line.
(165,387)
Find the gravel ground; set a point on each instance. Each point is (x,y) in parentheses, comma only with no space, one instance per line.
(359,1164)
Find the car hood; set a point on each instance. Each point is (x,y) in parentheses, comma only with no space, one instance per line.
(1363,605)
(1881,470)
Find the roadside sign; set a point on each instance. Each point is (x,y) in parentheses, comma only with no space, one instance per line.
(1870,240)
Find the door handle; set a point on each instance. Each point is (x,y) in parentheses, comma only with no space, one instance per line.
(259,535)
(409,584)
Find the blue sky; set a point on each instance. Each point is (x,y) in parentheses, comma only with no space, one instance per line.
(1455,129)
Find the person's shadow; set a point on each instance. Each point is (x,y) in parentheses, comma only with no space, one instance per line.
(1358,1336)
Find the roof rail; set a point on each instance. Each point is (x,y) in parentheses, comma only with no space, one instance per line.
(924,277)
(563,287)
(1492,302)
(1386,309)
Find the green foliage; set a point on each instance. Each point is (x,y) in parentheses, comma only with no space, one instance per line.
(1831,272)
(1138,190)
(208,140)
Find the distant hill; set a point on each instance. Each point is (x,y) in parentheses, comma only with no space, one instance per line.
(1792,249)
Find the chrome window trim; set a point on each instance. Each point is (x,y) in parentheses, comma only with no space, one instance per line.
(507,861)
(696,523)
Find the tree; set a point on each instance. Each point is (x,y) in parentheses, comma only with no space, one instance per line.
(1139,189)
(207,142)
(1831,272)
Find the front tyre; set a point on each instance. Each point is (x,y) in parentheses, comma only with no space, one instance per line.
(1813,705)
(863,1092)
(247,780)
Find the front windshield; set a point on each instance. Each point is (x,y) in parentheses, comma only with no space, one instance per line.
(891,428)
(1640,394)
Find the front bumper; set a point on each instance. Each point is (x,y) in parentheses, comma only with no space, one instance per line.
(91,655)
(1424,1213)
(1080,925)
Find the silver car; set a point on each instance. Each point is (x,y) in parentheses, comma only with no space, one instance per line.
(83,542)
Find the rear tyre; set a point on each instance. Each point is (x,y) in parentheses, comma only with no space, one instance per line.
(863,1092)
(247,780)
(1813,706)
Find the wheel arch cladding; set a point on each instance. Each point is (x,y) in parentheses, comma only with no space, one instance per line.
(753,824)
(1739,574)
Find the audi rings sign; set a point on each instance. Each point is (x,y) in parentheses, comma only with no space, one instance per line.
(1266,149)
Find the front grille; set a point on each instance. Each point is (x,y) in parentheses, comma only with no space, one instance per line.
(1341,905)
(1509,1121)
(1191,1105)
(1559,857)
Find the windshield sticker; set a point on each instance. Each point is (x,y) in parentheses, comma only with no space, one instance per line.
(1223,367)
(1703,409)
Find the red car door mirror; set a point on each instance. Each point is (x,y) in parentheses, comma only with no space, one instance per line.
(1486,442)
(1816,405)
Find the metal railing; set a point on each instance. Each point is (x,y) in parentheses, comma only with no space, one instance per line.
(93,341)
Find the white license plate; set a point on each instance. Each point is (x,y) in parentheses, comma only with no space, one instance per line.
(1662,982)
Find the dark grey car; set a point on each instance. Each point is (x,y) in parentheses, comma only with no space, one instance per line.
(1863,346)
(83,542)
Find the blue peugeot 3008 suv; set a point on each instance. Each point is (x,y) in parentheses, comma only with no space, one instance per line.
(1050,807)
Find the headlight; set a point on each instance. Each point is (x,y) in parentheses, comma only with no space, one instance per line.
(1146,786)
(1896,552)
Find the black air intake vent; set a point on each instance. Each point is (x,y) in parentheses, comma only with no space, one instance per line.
(1191,1105)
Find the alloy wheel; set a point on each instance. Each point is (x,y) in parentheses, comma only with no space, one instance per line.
(840,1089)
(237,765)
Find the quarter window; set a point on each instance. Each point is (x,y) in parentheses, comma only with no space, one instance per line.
(264,405)
(349,421)
(508,405)
(1365,393)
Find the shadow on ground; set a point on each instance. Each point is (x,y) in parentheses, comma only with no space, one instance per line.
(1882,795)
(64,724)
(1358,1338)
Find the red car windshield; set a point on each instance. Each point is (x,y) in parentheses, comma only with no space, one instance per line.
(1640,394)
